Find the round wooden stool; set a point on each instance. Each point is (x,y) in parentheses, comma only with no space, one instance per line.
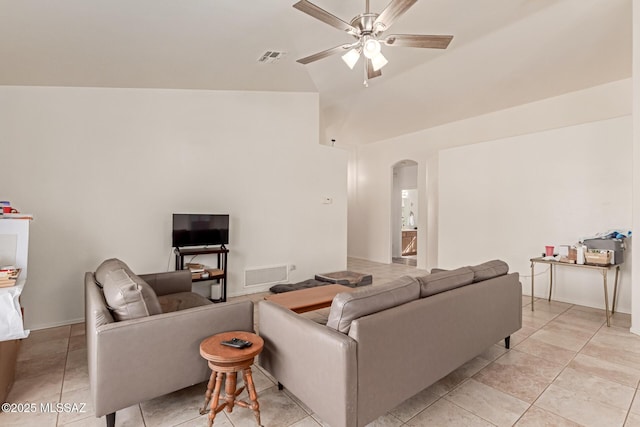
(226,362)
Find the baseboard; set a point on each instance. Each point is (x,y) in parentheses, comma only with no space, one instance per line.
(251,290)
(54,324)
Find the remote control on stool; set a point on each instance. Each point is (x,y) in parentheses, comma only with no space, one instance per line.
(237,343)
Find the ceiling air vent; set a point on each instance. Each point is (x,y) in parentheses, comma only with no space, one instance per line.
(271,56)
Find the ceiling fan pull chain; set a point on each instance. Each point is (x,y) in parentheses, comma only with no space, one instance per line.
(365,82)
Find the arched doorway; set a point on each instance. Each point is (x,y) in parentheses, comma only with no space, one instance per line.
(404,213)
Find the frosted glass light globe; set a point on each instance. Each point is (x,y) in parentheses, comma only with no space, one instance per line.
(370,47)
(378,61)
(350,58)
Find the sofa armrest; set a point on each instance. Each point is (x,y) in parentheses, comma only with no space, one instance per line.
(170,282)
(317,364)
(136,360)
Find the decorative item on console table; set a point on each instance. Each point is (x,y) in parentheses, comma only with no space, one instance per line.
(598,257)
(615,246)
(567,254)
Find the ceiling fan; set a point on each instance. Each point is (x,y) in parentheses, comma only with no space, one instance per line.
(367,29)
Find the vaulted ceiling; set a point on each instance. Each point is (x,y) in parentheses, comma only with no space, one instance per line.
(504,53)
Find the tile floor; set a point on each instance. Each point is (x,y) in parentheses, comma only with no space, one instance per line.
(565,368)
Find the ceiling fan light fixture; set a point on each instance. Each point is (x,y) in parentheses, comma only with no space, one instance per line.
(370,47)
(368,29)
(351,58)
(378,61)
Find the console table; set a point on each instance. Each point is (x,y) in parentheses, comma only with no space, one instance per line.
(604,270)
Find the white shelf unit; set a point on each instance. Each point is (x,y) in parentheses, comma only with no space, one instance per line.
(14,250)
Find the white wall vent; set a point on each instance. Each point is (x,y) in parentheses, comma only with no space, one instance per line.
(271,56)
(266,275)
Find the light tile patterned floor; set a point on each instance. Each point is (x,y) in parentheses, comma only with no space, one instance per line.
(565,368)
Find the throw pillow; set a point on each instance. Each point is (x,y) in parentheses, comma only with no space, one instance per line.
(349,306)
(436,283)
(107,266)
(489,270)
(126,294)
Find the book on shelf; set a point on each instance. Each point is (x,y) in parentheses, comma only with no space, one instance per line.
(215,272)
(195,268)
(207,273)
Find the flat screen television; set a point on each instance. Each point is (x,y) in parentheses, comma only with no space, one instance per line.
(200,230)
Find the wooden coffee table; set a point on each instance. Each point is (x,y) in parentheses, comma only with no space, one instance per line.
(308,299)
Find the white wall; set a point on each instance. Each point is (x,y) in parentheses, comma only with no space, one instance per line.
(369,191)
(635,319)
(509,198)
(102,170)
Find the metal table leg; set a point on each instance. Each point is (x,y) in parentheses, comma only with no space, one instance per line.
(551,267)
(532,275)
(615,291)
(606,295)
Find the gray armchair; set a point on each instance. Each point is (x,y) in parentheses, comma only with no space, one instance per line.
(131,361)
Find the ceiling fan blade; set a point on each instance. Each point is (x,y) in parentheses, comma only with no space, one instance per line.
(370,72)
(392,12)
(324,16)
(415,40)
(320,55)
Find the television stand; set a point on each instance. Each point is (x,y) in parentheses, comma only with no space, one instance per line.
(219,274)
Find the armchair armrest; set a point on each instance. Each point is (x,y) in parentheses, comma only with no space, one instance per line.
(170,282)
(136,360)
(318,364)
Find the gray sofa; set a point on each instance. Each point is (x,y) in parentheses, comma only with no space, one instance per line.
(383,344)
(145,342)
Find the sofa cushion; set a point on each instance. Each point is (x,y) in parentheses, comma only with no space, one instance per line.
(347,307)
(126,294)
(489,270)
(181,301)
(436,283)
